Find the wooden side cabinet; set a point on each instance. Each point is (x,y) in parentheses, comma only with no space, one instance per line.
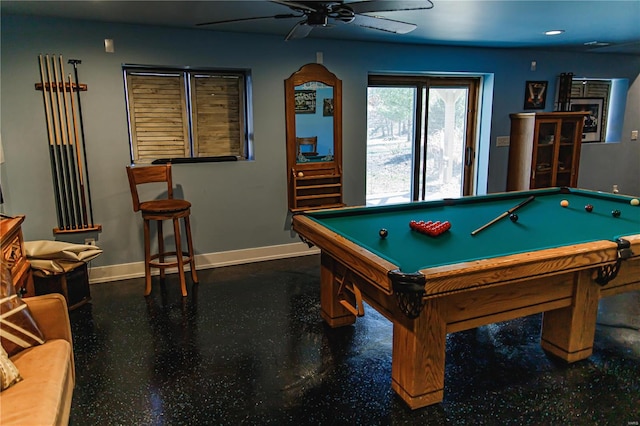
(544,150)
(14,257)
(73,285)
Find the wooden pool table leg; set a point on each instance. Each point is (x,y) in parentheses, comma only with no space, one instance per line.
(568,333)
(417,368)
(331,310)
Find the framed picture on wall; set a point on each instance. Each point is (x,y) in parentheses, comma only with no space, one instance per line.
(535,94)
(327,108)
(305,101)
(592,131)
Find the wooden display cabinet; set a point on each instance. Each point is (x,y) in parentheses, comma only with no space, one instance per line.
(544,150)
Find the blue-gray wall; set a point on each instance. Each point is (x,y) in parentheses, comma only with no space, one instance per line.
(244,204)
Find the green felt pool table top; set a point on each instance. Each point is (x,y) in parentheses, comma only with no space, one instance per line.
(542,224)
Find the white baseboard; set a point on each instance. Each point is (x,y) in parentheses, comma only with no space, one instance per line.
(101,274)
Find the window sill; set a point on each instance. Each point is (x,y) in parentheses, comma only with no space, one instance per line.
(196,160)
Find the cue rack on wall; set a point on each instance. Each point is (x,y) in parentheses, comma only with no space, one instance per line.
(66,140)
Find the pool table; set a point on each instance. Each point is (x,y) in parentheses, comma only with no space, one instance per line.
(553,259)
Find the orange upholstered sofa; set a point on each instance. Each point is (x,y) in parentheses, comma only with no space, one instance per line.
(43,396)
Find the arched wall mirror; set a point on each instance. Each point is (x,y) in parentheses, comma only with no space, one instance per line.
(313,109)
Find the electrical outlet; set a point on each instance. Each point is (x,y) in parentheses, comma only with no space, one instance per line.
(90,241)
(634,135)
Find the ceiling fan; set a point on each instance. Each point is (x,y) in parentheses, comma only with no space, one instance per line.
(325,13)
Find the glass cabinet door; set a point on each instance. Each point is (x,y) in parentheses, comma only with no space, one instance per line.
(566,154)
(546,140)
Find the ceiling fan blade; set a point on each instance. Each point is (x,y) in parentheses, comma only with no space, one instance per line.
(389,6)
(299,30)
(295,5)
(384,24)
(227,21)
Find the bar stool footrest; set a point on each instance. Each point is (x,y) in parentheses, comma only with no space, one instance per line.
(157,264)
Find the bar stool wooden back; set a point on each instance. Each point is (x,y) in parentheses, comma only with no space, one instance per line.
(160,210)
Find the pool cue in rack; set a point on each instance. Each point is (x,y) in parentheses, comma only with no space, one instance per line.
(69,178)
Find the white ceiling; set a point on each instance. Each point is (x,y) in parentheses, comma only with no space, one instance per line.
(478,23)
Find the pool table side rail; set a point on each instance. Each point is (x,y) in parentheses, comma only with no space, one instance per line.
(484,272)
(370,266)
(452,278)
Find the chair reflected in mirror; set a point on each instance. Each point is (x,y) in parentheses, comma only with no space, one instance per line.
(307,147)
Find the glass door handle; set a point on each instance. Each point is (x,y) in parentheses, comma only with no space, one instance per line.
(468,156)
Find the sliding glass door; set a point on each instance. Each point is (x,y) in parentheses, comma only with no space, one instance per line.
(421,138)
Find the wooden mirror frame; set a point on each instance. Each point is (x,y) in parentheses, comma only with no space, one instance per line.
(313,185)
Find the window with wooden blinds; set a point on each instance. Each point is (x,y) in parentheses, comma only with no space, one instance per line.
(186,114)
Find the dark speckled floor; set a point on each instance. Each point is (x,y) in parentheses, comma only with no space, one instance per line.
(248,347)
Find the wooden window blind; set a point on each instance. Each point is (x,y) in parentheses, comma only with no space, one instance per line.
(218,115)
(186,114)
(590,89)
(157,116)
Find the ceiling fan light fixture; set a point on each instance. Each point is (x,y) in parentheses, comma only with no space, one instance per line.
(316,19)
(553,32)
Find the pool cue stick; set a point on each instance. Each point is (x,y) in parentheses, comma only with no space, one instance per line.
(70,153)
(66,178)
(54,175)
(83,200)
(58,152)
(508,212)
(75,63)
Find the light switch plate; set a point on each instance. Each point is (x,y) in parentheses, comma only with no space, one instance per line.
(502,141)
(109,46)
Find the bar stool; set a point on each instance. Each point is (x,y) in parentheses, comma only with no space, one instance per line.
(160,210)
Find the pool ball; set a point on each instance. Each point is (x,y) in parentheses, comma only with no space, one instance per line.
(615,213)
(588,208)
(300,174)
(564,203)
(383,233)
(634,202)
(513,217)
